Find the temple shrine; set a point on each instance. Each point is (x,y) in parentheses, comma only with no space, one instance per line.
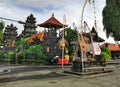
(48,39)
(29,27)
(10,35)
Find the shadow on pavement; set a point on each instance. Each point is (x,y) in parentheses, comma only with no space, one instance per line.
(49,75)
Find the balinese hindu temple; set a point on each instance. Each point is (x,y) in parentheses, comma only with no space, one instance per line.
(48,38)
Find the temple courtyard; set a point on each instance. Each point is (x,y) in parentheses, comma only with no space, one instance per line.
(53,76)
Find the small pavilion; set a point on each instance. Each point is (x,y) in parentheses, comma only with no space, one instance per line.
(50,38)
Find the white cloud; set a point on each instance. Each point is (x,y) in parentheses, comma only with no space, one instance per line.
(43,9)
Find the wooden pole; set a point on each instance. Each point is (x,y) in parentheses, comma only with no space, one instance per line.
(62,58)
(63,43)
(81,37)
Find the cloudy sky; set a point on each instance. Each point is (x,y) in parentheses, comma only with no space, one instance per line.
(43,9)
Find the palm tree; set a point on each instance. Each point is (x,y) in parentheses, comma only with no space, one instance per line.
(21,45)
(111,18)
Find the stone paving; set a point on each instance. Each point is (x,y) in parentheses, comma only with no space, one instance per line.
(37,76)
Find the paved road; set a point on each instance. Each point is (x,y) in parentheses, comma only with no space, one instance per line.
(37,76)
(18,73)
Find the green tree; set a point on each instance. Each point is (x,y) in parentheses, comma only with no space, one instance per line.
(37,50)
(1,32)
(71,35)
(11,57)
(106,53)
(1,55)
(22,45)
(111,19)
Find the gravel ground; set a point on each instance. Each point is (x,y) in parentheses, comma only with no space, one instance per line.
(53,77)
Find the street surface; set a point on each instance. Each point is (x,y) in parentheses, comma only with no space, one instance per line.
(52,76)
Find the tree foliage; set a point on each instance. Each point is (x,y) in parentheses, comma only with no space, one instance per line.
(37,50)
(71,35)
(111,18)
(105,54)
(1,32)
(22,45)
(1,55)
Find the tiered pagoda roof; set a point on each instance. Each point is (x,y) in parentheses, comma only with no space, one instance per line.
(29,27)
(95,36)
(10,35)
(51,22)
